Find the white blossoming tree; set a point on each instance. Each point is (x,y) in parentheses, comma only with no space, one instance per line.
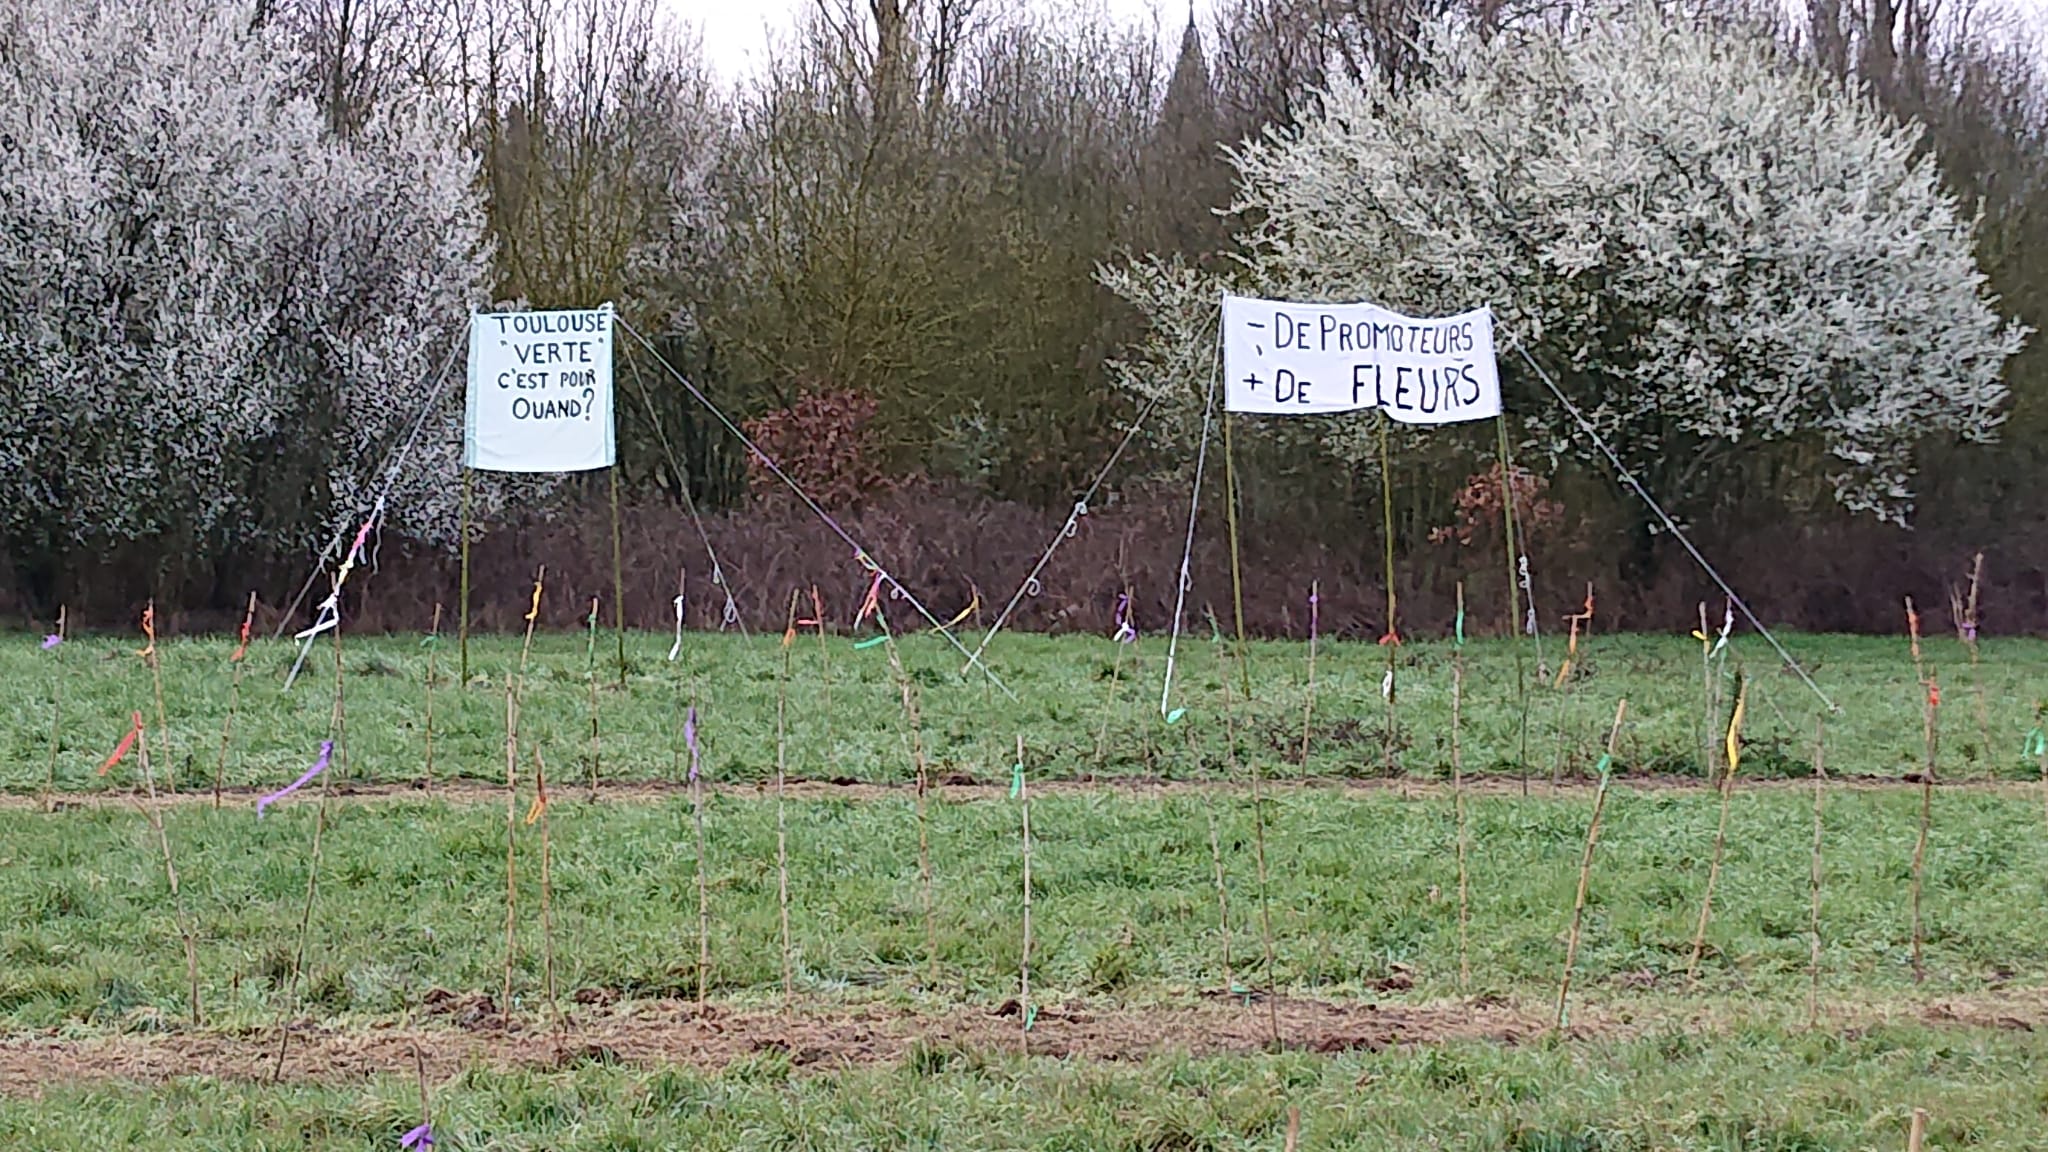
(1707,245)
(213,315)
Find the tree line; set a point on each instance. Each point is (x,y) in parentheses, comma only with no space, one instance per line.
(236,250)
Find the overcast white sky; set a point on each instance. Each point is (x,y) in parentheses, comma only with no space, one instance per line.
(736,32)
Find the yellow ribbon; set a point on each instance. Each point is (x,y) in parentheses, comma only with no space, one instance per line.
(1735,728)
(972,604)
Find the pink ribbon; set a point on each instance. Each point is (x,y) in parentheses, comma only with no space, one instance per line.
(690,738)
(319,766)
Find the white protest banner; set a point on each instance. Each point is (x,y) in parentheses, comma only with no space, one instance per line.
(540,392)
(1302,359)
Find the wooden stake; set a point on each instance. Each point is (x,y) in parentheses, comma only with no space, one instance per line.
(154,814)
(1258,852)
(433,651)
(56,713)
(1699,935)
(619,575)
(781,792)
(1293,1129)
(1916,1135)
(1976,667)
(511,841)
(462,594)
(1024,1015)
(335,722)
(156,675)
(1571,948)
(1116,671)
(1932,729)
(1458,798)
(703,881)
(220,767)
(1216,862)
(1392,640)
(1308,710)
(1820,775)
(914,722)
(547,922)
(590,660)
(513,684)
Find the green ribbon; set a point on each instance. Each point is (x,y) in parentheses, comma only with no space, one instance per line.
(1605,766)
(1016,780)
(871,642)
(2036,745)
(1461,627)
(1030,1017)
(430,640)
(590,648)
(1174,716)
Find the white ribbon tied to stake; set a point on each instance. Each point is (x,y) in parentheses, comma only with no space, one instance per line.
(677,648)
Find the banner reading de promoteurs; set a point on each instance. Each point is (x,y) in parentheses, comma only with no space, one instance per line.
(1301,359)
(540,392)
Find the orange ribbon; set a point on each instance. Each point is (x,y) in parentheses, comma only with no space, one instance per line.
(127,742)
(242,648)
(149,630)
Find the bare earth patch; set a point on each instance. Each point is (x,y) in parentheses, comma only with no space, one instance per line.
(465,1032)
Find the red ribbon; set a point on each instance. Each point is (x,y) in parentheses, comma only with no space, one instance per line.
(127,742)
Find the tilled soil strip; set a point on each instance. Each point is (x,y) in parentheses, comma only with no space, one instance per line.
(466,1032)
(969,789)
(662,1033)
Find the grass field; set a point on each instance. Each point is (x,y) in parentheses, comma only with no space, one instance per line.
(1154,1020)
(1080,710)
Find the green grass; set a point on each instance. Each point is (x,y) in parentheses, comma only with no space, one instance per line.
(1362,889)
(412,898)
(1063,687)
(1757,1090)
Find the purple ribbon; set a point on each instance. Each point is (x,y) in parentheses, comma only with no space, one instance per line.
(1969,632)
(51,641)
(420,1137)
(1125,633)
(319,766)
(1315,614)
(690,738)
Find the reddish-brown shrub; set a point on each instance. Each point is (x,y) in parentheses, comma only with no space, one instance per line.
(824,442)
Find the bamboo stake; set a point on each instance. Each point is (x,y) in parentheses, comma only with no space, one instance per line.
(1820,775)
(462,594)
(1931,718)
(1976,667)
(1932,730)
(513,683)
(155,816)
(335,727)
(547,923)
(1916,1135)
(220,767)
(1516,574)
(1458,796)
(156,675)
(1116,671)
(1216,863)
(56,712)
(511,841)
(914,722)
(781,793)
(1308,711)
(1258,852)
(590,662)
(703,881)
(1024,1013)
(1571,948)
(1392,640)
(433,671)
(1699,936)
